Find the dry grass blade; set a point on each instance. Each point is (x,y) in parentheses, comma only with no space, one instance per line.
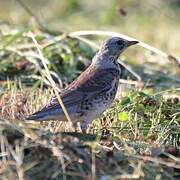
(87,41)
(31,35)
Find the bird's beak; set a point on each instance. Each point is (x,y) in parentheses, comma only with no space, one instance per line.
(130,43)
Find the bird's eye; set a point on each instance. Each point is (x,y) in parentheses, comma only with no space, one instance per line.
(119,42)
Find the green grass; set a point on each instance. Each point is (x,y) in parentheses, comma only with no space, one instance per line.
(138,137)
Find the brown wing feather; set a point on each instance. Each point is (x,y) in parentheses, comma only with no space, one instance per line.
(90,83)
(93,80)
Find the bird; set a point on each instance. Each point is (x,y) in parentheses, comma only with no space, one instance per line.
(93,91)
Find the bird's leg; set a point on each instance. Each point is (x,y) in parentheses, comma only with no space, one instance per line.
(85,126)
(76,126)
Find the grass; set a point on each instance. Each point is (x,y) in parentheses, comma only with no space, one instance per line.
(138,137)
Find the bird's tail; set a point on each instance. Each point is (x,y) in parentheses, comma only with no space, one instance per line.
(47,115)
(50,113)
(37,116)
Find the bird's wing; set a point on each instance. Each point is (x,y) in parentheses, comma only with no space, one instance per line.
(69,98)
(90,83)
(95,80)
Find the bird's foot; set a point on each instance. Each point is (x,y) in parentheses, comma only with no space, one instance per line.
(85,128)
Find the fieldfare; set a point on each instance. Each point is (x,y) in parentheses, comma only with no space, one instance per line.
(87,97)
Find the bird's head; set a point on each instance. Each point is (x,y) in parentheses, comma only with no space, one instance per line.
(115,46)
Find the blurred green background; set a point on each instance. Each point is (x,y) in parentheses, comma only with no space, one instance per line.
(155,22)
